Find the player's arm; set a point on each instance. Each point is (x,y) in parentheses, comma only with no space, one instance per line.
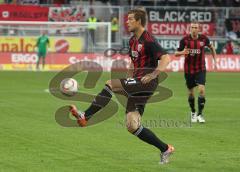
(182,50)
(213,51)
(156,51)
(162,65)
(130,70)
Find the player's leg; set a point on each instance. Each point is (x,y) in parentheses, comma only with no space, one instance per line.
(201,79)
(191,99)
(43,59)
(201,103)
(201,98)
(138,96)
(100,101)
(38,61)
(134,126)
(103,98)
(191,102)
(190,83)
(92,35)
(133,123)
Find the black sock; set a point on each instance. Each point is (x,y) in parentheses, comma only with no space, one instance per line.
(149,137)
(201,103)
(191,101)
(101,100)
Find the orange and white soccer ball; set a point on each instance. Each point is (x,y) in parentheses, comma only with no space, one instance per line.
(69,86)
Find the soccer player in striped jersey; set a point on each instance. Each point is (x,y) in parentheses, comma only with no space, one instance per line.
(192,47)
(145,53)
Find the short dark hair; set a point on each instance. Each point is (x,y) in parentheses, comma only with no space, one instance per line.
(139,14)
(195,22)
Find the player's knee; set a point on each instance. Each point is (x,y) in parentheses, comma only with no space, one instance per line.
(191,93)
(132,126)
(201,90)
(109,83)
(133,123)
(202,93)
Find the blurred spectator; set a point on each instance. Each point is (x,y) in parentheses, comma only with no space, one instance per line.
(232,27)
(115,2)
(43,1)
(12,1)
(28,2)
(232,46)
(114,28)
(236,3)
(217,3)
(60,2)
(144,2)
(234,12)
(228,48)
(172,2)
(209,3)
(92,26)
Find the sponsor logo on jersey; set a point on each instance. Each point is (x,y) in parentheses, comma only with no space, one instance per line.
(192,52)
(134,54)
(139,47)
(202,44)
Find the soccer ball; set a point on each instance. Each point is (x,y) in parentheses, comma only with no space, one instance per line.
(69,86)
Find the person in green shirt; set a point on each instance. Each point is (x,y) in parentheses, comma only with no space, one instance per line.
(42,46)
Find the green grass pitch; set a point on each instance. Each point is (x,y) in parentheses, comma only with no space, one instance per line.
(31,140)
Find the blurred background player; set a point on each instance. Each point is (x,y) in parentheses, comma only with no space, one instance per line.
(143,73)
(42,48)
(192,47)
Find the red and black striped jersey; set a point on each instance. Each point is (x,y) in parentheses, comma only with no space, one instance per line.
(195,60)
(145,53)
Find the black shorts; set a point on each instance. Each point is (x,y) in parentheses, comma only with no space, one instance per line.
(193,80)
(138,93)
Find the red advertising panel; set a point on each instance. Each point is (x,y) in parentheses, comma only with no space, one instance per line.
(57,61)
(225,63)
(67,14)
(23,13)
